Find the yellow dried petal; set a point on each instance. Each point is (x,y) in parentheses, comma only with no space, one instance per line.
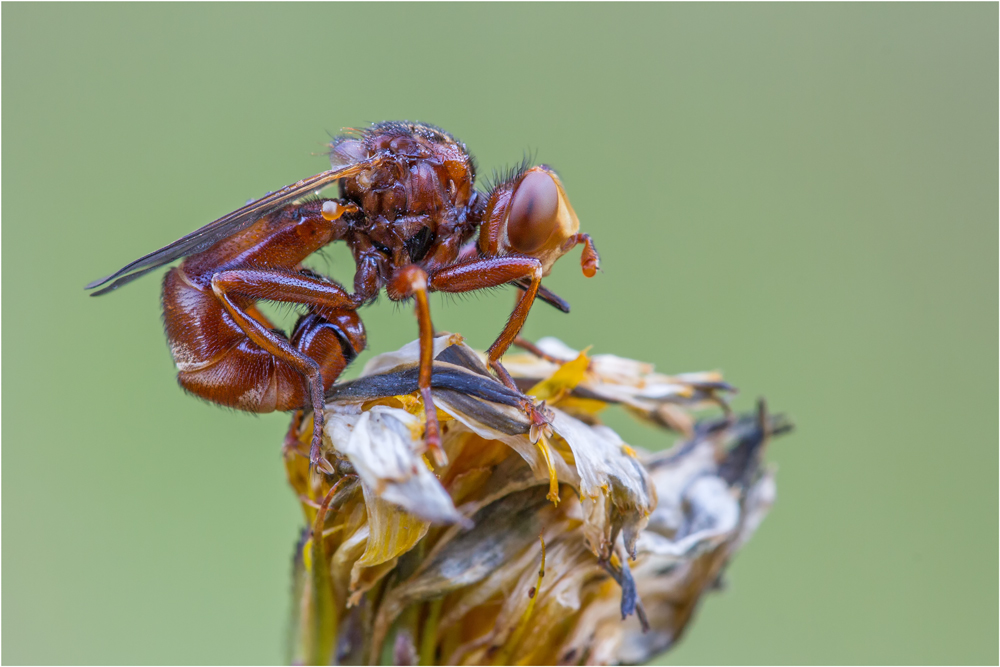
(578,407)
(392,531)
(563,381)
(543,447)
(514,642)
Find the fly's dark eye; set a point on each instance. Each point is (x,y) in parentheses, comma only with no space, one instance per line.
(533,212)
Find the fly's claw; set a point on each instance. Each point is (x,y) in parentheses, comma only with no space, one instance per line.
(540,418)
(292,445)
(322,465)
(317,461)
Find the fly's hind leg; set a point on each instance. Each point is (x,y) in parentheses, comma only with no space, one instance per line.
(290,287)
(333,340)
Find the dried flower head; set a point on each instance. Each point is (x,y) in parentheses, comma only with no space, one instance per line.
(559,545)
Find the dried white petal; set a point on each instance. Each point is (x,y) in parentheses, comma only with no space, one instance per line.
(633,383)
(407,355)
(556,348)
(713,513)
(616,491)
(384,446)
(519,443)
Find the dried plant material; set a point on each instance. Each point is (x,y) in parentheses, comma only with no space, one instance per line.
(444,564)
(383,444)
(665,400)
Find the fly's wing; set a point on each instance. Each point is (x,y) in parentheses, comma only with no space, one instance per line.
(227,225)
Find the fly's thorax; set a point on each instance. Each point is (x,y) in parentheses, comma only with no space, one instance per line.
(423,170)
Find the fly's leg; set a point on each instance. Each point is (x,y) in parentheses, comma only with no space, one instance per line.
(411,281)
(533,349)
(494,272)
(289,287)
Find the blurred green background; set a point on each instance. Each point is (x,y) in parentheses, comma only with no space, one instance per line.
(804,196)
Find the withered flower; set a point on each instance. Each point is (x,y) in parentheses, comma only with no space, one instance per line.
(561,545)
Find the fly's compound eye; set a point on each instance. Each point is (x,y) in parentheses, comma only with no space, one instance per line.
(533,211)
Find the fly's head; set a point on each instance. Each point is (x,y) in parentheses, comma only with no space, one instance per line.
(528,213)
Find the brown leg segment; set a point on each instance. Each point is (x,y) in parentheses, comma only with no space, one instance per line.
(292,288)
(409,281)
(494,272)
(284,286)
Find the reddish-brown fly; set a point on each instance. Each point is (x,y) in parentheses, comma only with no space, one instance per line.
(415,223)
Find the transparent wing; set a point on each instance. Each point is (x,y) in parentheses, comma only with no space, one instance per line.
(227,225)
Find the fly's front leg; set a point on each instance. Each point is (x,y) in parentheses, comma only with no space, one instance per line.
(410,281)
(494,272)
(321,296)
(370,262)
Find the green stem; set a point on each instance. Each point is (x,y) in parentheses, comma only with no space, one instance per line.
(428,639)
(325,614)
